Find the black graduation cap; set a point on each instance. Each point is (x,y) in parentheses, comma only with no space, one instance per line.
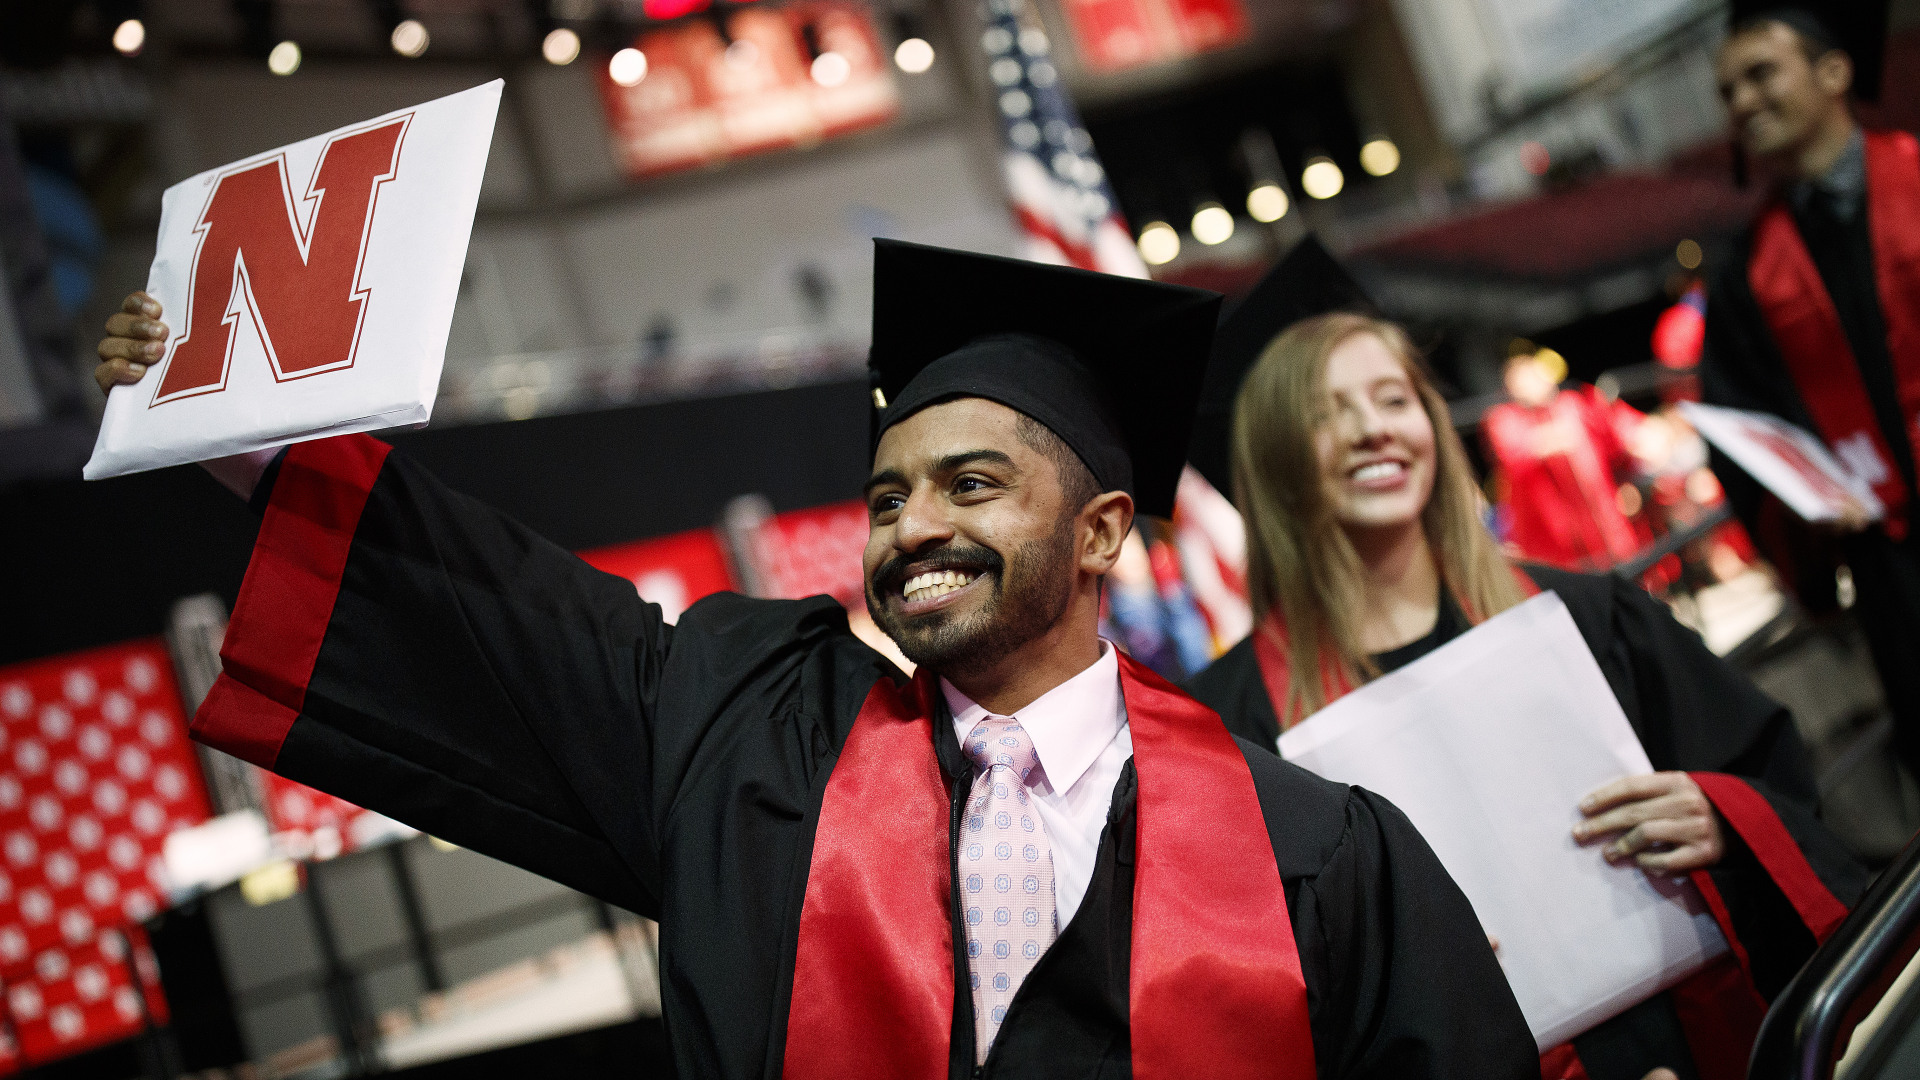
(1857,26)
(1110,364)
(1308,282)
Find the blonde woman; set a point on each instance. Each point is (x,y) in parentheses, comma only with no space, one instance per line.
(1366,551)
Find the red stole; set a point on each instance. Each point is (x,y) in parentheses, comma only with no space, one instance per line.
(1719,1008)
(1215,987)
(1806,325)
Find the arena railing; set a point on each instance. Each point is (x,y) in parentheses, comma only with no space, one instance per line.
(1855,976)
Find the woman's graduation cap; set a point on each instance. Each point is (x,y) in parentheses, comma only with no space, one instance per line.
(1858,27)
(1308,282)
(1110,364)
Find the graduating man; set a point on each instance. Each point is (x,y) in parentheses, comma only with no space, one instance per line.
(1815,316)
(1034,859)
(1733,804)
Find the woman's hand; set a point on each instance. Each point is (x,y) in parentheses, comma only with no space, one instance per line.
(1663,822)
(135,338)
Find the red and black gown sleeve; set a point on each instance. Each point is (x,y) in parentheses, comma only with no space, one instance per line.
(413,651)
(1785,875)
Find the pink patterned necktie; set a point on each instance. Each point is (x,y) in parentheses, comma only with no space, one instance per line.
(1006,874)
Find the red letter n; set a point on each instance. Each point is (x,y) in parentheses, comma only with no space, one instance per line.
(301,285)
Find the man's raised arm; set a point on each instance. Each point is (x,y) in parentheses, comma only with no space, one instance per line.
(421,654)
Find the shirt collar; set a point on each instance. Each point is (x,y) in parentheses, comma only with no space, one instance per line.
(1070,724)
(1844,182)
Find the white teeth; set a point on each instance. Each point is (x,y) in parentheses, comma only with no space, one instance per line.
(934,583)
(1379,470)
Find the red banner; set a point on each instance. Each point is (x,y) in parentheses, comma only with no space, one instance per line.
(1114,35)
(672,571)
(98,772)
(814,551)
(704,99)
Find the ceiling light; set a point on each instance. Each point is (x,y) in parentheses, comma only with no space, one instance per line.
(409,38)
(914,55)
(1159,243)
(561,47)
(831,69)
(1380,157)
(627,67)
(1212,224)
(1322,179)
(284,59)
(129,36)
(1268,202)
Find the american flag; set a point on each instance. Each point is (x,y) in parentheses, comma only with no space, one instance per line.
(1066,211)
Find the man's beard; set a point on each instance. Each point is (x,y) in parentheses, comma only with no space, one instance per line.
(1030,593)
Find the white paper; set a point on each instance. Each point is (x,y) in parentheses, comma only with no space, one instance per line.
(1488,744)
(1791,462)
(364,244)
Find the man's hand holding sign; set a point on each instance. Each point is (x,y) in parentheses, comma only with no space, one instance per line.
(1833,491)
(312,287)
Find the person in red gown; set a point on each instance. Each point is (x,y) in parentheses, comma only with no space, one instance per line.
(1815,315)
(1568,469)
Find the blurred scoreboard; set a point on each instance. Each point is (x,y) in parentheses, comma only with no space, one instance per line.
(778,77)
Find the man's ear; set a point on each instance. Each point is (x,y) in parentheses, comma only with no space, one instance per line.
(1833,73)
(1105,522)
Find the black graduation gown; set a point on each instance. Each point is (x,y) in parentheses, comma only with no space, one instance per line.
(479,683)
(1741,367)
(1692,712)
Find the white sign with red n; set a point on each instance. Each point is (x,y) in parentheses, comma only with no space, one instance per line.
(309,289)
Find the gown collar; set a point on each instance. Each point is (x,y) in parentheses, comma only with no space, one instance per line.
(1069,724)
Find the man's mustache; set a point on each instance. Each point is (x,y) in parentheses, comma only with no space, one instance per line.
(894,572)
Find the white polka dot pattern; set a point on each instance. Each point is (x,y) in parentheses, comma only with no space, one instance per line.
(311,823)
(95,770)
(1006,874)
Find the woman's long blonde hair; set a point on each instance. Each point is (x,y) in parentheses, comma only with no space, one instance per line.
(1299,561)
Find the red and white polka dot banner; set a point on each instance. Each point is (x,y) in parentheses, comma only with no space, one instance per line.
(95,771)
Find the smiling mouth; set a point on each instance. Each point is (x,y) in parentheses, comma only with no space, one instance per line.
(1379,470)
(935,584)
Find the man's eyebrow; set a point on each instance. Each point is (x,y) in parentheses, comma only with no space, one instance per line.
(885,476)
(955,462)
(950,463)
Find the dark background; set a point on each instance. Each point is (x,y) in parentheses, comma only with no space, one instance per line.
(87,563)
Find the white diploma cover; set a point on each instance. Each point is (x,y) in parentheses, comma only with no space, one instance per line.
(1790,462)
(1488,744)
(309,289)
